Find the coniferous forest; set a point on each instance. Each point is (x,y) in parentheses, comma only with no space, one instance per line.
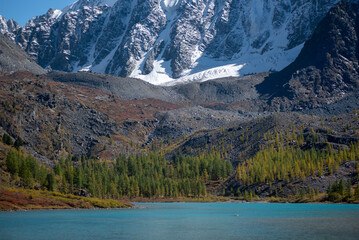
(285,163)
(148,176)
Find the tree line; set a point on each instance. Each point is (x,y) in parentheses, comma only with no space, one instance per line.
(149,176)
(277,162)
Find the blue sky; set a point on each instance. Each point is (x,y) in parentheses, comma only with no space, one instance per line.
(22,10)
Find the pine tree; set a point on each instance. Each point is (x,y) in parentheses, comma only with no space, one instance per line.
(51,182)
(7,139)
(18,143)
(12,162)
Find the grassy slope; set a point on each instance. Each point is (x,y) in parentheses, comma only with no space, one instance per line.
(24,199)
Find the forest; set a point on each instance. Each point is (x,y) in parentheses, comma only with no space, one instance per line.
(148,176)
(279,161)
(285,157)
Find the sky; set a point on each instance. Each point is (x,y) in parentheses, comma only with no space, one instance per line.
(22,10)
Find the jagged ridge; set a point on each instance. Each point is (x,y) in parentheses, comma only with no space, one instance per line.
(160,41)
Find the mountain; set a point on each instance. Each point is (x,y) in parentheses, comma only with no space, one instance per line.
(8,27)
(327,68)
(171,41)
(92,118)
(54,119)
(13,58)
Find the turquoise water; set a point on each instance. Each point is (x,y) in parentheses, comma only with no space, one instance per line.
(188,221)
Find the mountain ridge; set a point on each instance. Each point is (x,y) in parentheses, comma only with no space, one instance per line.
(171,41)
(326,70)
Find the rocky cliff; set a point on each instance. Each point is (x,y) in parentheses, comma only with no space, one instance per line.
(171,41)
(326,70)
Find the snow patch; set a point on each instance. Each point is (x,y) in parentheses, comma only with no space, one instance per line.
(162,71)
(170,6)
(231,70)
(86,69)
(206,68)
(57,13)
(160,74)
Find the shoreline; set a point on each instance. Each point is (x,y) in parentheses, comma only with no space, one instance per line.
(15,200)
(134,205)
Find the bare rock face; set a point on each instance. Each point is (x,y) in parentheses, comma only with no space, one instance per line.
(327,69)
(170,39)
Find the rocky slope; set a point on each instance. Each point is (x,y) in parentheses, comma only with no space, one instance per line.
(123,88)
(326,70)
(171,41)
(235,93)
(56,119)
(13,58)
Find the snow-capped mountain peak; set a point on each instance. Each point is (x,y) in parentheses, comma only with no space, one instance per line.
(173,41)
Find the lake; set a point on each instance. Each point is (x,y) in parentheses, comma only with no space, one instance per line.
(188,221)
